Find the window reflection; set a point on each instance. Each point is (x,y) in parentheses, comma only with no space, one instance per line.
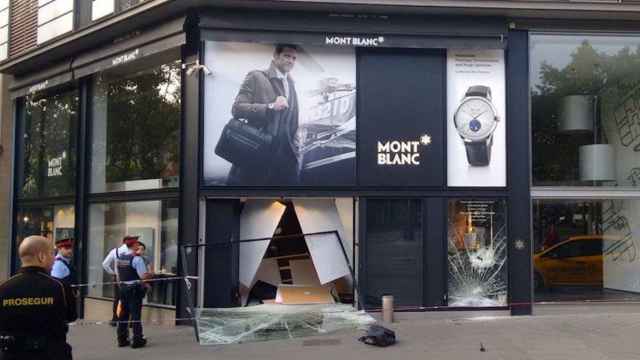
(585,110)
(586,250)
(136,130)
(48,154)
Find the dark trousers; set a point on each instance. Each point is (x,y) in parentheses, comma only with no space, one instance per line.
(131,299)
(116,298)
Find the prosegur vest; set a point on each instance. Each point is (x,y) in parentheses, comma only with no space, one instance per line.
(126,271)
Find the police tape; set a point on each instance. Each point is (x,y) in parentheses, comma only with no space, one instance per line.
(477,310)
(173,278)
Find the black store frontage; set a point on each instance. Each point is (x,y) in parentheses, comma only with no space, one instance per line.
(396,159)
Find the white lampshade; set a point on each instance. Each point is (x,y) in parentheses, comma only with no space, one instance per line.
(597,162)
(576,113)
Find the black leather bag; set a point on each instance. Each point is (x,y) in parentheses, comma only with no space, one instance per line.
(379,336)
(243,144)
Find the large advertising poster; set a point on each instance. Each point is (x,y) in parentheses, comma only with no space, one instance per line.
(279,115)
(476,126)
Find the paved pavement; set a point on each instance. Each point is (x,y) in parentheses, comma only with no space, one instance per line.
(585,332)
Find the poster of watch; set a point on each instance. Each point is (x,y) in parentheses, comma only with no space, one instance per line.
(476,122)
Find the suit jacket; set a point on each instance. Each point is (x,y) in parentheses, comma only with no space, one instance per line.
(260,88)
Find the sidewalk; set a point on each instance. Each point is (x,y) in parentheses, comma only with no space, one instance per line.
(601,332)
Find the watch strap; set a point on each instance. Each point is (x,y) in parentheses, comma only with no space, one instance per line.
(479,90)
(479,153)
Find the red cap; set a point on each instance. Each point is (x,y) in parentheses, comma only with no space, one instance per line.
(130,239)
(64,243)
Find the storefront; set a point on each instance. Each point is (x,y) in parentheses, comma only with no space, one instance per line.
(402,140)
(400,163)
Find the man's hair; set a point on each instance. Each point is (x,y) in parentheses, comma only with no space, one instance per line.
(280,48)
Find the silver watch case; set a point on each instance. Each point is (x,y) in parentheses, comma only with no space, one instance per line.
(496,118)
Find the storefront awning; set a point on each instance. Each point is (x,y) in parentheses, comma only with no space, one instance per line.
(443,32)
(164,38)
(40,81)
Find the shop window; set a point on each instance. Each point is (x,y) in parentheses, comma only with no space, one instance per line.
(52,222)
(156,222)
(586,250)
(48,150)
(585,103)
(394,262)
(477,253)
(136,130)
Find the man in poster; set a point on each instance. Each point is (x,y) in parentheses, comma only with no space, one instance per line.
(267,99)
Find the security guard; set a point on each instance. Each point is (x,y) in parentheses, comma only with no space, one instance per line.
(35,308)
(62,267)
(131,271)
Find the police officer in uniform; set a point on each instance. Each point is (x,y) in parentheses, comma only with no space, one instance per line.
(131,271)
(62,267)
(109,265)
(35,308)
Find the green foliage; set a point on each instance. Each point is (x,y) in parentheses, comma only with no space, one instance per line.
(143,124)
(607,75)
(49,133)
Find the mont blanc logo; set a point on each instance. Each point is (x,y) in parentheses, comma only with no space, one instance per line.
(55,165)
(354,41)
(39,86)
(124,58)
(396,152)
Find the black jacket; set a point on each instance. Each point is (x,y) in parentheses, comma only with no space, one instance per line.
(32,303)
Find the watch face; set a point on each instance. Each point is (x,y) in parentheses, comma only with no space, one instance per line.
(475,119)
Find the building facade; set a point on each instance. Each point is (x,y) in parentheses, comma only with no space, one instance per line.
(454,154)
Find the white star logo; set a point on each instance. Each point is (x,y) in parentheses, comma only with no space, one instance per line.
(519,244)
(425,139)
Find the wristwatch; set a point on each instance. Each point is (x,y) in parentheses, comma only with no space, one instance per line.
(476,119)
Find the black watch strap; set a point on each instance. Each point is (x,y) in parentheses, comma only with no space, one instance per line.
(478,153)
(479,90)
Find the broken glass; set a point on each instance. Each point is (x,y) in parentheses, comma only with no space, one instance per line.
(276,322)
(477,253)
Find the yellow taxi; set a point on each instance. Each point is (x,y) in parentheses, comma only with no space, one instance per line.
(576,261)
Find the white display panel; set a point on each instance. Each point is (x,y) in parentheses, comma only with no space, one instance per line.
(259,220)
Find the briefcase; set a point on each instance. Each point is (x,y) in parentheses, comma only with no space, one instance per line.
(243,144)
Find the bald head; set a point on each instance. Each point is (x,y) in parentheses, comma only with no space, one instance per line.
(36,251)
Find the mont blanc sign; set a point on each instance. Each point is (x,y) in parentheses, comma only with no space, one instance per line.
(367,41)
(405,153)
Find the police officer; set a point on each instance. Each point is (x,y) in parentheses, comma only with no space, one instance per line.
(62,267)
(131,271)
(108,264)
(35,308)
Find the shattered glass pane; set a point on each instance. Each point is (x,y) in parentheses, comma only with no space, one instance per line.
(477,253)
(276,322)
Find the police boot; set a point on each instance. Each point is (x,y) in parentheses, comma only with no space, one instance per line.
(123,342)
(138,343)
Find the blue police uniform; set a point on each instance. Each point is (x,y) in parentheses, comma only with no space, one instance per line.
(131,268)
(63,270)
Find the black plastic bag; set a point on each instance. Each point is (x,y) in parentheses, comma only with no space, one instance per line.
(379,336)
